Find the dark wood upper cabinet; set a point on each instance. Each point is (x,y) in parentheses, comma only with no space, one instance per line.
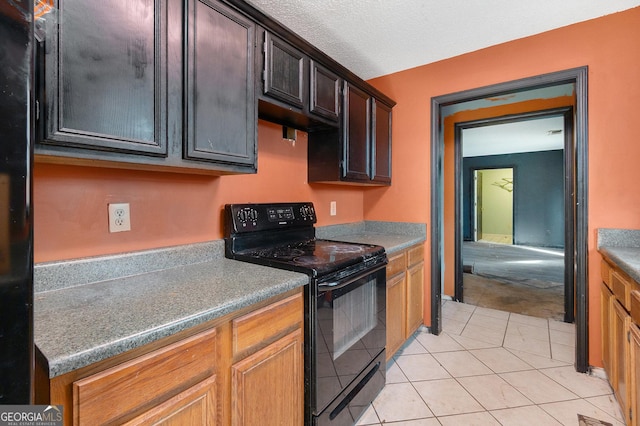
(105,74)
(359,152)
(357,133)
(381,155)
(148,84)
(178,85)
(324,92)
(284,71)
(294,90)
(220,110)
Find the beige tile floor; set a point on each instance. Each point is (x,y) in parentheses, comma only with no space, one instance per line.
(490,367)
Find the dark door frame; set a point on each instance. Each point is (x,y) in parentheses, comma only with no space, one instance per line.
(568,185)
(578,166)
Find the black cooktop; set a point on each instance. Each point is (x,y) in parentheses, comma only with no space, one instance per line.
(316,257)
(282,235)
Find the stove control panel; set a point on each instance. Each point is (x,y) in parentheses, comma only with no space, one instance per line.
(279,214)
(241,218)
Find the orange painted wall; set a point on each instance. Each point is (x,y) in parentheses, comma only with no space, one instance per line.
(609,47)
(70,203)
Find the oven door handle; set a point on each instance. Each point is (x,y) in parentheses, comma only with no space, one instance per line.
(335,285)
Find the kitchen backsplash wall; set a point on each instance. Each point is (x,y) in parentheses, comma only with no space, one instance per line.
(70,202)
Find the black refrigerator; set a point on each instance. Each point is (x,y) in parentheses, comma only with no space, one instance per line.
(16,216)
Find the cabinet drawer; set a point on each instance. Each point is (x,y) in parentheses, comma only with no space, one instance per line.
(122,391)
(621,288)
(397,263)
(416,254)
(261,327)
(605,272)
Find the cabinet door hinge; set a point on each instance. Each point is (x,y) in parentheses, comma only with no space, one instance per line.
(629,336)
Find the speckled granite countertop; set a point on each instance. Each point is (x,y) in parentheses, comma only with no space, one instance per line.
(78,325)
(622,246)
(88,310)
(393,236)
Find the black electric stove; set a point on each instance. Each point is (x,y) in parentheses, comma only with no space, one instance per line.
(345,303)
(283,236)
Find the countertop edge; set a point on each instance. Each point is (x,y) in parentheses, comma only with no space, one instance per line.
(621,246)
(626,258)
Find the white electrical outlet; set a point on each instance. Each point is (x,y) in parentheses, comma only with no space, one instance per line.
(332,209)
(119,218)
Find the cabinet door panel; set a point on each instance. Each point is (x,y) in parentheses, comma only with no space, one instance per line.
(195,406)
(606,301)
(381,155)
(220,111)
(634,376)
(395,313)
(325,92)
(106,74)
(284,71)
(131,387)
(356,133)
(268,385)
(620,355)
(415,284)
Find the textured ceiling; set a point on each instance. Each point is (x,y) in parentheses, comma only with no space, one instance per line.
(379,37)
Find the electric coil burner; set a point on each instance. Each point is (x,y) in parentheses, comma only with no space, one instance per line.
(345,303)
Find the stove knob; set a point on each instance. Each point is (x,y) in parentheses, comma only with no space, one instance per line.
(242,216)
(306,212)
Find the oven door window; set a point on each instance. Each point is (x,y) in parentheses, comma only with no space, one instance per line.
(354,315)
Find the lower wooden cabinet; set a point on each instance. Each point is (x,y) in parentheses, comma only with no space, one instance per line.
(415,297)
(269,384)
(396,314)
(138,387)
(606,308)
(620,356)
(194,406)
(267,374)
(405,296)
(621,338)
(240,370)
(634,372)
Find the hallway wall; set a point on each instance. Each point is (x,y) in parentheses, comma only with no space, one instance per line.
(538,195)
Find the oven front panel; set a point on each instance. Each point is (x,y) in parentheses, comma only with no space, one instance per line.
(349,333)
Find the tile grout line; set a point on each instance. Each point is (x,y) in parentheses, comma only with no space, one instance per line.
(555,363)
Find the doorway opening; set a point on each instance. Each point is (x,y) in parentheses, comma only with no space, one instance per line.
(525,210)
(445,233)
